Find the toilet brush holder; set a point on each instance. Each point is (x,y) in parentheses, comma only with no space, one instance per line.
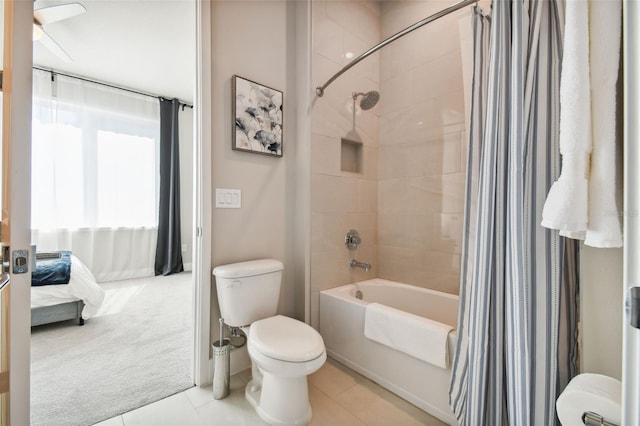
(221,368)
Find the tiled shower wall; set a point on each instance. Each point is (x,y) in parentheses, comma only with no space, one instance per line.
(341,200)
(407,201)
(422,148)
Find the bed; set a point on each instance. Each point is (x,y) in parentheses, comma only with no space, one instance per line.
(79,299)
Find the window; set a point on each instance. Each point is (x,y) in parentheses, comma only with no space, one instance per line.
(125,180)
(94,157)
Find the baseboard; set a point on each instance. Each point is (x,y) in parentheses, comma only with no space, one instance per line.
(187,267)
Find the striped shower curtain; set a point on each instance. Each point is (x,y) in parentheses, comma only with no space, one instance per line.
(517,330)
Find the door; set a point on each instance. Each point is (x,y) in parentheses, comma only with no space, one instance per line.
(631,326)
(16,201)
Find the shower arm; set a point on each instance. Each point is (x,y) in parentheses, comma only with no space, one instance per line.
(443,12)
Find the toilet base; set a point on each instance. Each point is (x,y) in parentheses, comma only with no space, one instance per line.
(284,402)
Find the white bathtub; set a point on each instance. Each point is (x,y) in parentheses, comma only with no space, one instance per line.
(342,328)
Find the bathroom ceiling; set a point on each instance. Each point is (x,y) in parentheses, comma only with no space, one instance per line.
(147,45)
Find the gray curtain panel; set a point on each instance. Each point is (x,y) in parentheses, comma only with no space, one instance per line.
(518,291)
(169,245)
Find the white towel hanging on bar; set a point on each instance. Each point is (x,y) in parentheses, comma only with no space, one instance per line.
(581,203)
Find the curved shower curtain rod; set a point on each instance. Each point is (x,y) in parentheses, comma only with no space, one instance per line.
(443,12)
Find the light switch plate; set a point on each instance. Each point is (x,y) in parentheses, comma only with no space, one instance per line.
(228,198)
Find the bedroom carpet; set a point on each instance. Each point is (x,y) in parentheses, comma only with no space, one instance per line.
(137,350)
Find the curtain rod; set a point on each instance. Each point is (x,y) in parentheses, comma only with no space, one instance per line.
(443,12)
(113,86)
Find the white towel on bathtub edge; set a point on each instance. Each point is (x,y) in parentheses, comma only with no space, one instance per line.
(414,335)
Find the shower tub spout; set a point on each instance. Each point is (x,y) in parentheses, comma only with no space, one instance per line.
(355,264)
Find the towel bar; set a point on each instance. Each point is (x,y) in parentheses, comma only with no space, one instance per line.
(592,419)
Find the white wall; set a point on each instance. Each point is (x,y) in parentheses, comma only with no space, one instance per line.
(601,289)
(302,171)
(342,200)
(422,147)
(407,200)
(256,40)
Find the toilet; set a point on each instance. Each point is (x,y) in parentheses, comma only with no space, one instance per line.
(283,350)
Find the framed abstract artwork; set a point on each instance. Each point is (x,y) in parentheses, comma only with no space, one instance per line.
(257,117)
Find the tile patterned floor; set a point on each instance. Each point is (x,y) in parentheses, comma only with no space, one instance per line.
(338,396)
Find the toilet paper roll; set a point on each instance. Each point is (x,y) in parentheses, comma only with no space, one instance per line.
(590,392)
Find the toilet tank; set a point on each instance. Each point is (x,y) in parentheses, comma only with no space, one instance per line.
(248,291)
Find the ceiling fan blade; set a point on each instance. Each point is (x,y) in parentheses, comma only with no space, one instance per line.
(37,32)
(54,47)
(50,14)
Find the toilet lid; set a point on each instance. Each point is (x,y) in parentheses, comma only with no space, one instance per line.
(286,339)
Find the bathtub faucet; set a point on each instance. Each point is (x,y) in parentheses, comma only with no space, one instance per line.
(355,264)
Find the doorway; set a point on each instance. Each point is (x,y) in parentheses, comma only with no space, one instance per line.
(200,369)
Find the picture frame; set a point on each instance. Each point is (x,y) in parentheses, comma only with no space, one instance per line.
(257,114)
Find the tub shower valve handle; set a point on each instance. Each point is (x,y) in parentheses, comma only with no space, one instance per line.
(352,239)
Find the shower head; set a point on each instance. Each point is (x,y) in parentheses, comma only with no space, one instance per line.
(369,99)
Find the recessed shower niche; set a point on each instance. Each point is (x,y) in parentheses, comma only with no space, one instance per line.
(350,156)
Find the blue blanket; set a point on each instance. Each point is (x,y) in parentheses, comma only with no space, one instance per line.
(52,271)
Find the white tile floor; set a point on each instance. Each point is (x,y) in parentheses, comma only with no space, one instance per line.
(338,396)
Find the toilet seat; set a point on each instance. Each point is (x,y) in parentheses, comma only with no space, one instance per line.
(286,339)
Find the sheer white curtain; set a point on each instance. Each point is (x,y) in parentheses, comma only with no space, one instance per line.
(95,175)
